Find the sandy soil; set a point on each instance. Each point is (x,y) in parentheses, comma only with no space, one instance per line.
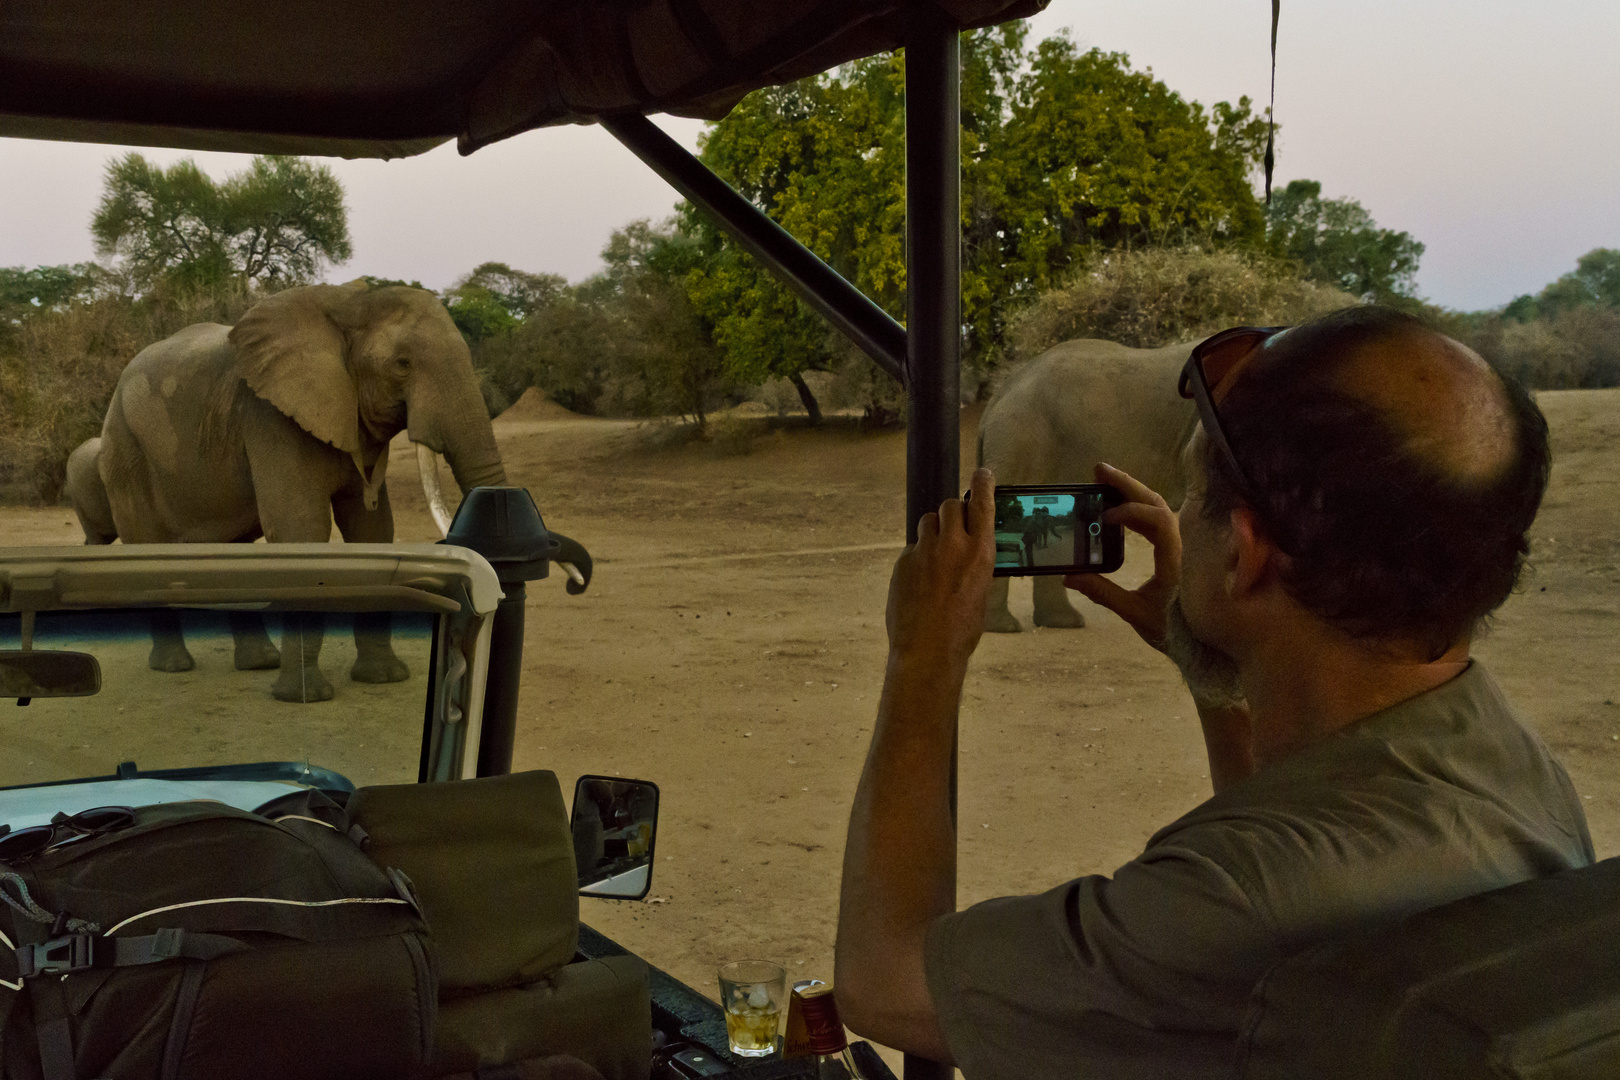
(731,649)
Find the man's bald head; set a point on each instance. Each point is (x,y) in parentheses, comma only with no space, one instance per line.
(1397,471)
(1442,396)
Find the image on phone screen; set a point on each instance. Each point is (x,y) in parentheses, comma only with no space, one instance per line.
(1051,529)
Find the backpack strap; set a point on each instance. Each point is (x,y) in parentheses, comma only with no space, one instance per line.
(81,952)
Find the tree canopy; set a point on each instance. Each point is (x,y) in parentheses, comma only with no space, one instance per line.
(46,288)
(281,221)
(1065,153)
(1595,282)
(1338,243)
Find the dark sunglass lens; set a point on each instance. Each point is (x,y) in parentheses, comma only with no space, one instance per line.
(25,843)
(1219,360)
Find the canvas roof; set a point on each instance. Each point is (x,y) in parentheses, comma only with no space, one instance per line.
(391,78)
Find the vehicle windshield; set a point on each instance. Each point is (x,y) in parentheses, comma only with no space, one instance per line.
(214,714)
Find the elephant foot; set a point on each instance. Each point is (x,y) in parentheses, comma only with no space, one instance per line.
(257,656)
(1065,618)
(383,668)
(302,686)
(170,658)
(1001,622)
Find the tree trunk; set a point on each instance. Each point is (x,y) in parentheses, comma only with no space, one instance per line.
(811,406)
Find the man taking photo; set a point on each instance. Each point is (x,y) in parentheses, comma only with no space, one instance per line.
(1359,496)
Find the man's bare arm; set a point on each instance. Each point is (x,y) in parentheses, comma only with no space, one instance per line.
(899,863)
(900,856)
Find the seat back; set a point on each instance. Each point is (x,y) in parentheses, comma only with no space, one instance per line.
(492,861)
(1520,983)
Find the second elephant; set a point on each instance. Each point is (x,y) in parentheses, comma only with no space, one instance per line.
(277,426)
(1078,403)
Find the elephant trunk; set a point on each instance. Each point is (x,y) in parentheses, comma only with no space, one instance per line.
(459,429)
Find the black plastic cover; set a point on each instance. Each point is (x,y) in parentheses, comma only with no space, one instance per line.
(504,526)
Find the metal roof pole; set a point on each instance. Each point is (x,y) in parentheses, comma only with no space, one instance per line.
(817,284)
(933,293)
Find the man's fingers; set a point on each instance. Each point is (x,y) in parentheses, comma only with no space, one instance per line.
(982,508)
(1133,489)
(1156,523)
(927,526)
(1099,590)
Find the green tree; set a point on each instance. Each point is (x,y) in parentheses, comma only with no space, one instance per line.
(280,221)
(519,292)
(46,288)
(1595,282)
(1338,243)
(479,314)
(1064,153)
(626,341)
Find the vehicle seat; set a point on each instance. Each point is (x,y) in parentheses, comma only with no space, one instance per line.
(492,861)
(1515,984)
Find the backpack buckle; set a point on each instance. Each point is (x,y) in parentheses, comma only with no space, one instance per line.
(59,956)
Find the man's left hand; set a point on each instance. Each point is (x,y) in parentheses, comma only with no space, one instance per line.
(937,593)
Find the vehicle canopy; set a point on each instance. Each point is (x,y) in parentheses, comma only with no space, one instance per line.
(368,78)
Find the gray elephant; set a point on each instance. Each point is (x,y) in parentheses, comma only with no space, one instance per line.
(275,427)
(1078,403)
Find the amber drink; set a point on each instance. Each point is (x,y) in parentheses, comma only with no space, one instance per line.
(753,993)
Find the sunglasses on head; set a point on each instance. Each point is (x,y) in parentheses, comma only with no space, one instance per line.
(1209,375)
(26,843)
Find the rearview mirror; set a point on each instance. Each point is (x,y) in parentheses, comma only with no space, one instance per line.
(47,673)
(614,823)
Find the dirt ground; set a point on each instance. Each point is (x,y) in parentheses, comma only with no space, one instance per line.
(731,647)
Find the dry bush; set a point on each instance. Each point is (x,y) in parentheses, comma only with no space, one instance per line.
(1576,349)
(858,383)
(1159,296)
(58,370)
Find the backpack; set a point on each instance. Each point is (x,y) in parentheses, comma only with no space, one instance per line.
(202,942)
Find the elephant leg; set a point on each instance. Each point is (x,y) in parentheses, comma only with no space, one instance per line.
(301,679)
(374,657)
(254,652)
(168,644)
(1052,607)
(997,619)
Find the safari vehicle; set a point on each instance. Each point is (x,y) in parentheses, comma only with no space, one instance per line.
(392,80)
(96,732)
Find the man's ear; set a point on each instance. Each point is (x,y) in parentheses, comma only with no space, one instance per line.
(1251,558)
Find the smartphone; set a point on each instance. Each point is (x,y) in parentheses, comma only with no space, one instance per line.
(1056,529)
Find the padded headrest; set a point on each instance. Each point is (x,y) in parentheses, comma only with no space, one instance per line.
(492,861)
(1523,982)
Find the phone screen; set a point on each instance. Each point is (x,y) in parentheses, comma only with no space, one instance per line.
(1056,529)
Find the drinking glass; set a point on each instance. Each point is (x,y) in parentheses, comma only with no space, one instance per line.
(753,993)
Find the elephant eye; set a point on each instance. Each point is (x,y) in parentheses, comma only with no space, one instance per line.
(403,363)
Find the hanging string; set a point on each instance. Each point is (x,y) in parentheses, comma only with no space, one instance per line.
(1271,113)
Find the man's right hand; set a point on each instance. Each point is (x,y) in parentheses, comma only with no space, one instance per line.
(1144,511)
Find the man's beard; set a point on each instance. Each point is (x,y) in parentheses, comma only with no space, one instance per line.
(1210,674)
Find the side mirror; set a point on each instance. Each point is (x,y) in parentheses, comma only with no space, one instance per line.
(30,674)
(614,823)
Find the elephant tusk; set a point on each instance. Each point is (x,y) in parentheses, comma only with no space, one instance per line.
(427,463)
(573,572)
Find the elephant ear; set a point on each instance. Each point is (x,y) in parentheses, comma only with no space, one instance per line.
(291,351)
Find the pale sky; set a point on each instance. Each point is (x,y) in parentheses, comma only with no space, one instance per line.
(1487,129)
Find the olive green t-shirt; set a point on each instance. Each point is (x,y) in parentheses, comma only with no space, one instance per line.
(1148,973)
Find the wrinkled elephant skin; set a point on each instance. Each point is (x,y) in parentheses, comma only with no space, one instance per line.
(275,427)
(1079,403)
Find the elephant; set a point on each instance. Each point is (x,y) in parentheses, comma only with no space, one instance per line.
(275,427)
(1078,403)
